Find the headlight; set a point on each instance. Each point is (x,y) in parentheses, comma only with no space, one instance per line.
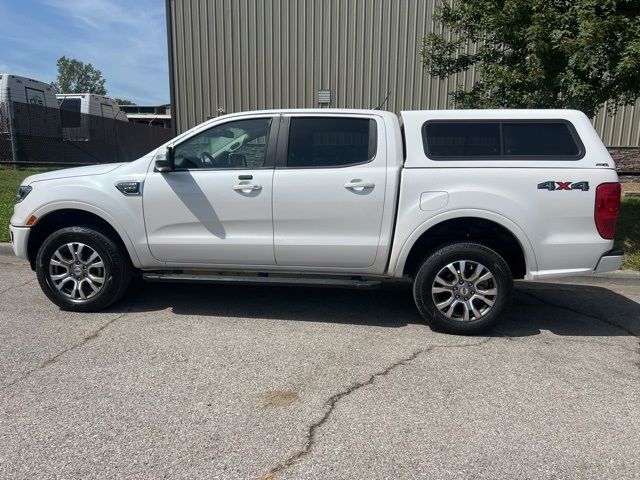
(23,191)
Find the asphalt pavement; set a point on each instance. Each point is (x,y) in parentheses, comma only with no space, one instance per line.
(195,381)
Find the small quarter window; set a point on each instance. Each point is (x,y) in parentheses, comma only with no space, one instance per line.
(330,142)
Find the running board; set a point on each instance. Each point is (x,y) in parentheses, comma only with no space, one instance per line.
(357,283)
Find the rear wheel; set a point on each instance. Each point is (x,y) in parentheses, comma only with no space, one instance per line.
(81,269)
(463,288)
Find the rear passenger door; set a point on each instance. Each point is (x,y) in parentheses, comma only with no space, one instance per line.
(329,190)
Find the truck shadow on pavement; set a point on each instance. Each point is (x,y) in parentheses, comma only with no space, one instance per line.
(562,309)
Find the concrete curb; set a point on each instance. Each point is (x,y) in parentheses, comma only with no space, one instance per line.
(626,274)
(6,249)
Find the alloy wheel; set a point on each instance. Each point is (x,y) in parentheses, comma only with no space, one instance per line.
(77,271)
(464,290)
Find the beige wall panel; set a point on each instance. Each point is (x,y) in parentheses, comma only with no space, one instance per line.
(234,55)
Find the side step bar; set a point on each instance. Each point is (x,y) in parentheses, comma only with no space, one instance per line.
(346,282)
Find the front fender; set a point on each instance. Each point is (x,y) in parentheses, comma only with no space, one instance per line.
(87,207)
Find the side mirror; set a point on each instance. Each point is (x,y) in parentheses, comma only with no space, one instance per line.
(165,163)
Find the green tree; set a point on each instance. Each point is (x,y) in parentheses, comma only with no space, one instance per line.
(75,76)
(539,53)
(122,101)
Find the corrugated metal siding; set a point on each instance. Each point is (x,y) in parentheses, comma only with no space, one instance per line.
(235,55)
(621,129)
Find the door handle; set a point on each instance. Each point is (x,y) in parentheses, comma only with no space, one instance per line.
(358,184)
(246,187)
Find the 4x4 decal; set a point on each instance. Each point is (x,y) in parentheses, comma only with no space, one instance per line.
(552,186)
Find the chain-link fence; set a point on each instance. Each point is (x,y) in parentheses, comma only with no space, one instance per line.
(37,135)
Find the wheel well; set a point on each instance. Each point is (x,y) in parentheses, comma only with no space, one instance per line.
(479,230)
(58,219)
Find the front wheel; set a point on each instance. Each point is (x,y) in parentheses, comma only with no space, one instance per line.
(83,270)
(463,288)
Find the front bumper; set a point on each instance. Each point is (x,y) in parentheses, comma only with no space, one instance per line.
(20,241)
(609,261)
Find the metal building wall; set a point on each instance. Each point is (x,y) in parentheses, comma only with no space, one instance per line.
(235,55)
(621,129)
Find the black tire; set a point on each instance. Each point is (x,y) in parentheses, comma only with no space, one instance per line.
(117,269)
(449,254)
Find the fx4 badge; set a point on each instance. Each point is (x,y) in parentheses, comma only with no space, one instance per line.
(551,186)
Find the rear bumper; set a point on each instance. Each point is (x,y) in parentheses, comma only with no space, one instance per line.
(609,261)
(20,240)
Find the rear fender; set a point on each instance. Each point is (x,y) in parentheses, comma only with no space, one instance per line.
(399,256)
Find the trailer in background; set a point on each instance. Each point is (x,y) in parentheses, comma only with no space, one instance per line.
(37,127)
(29,115)
(27,90)
(91,104)
(88,115)
(31,104)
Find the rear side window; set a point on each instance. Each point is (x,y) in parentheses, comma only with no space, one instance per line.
(501,140)
(539,139)
(330,142)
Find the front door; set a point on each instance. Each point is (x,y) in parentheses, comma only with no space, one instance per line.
(329,190)
(215,207)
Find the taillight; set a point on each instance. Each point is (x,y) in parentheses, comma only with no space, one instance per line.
(607,207)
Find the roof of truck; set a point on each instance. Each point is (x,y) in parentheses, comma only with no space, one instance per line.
(495,113)
(314,111)
(454,114)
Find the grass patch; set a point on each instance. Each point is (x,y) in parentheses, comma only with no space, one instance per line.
(9,182)
(628,232)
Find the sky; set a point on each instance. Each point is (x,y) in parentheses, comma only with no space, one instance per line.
(126,40)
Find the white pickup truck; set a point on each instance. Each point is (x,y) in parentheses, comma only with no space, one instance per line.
(459,202)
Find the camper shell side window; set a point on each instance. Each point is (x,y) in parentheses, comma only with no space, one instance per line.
(501,140)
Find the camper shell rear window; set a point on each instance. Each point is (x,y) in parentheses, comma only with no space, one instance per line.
(501,140)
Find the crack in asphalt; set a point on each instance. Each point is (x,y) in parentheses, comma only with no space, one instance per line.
(333,401)
(16,286)
(548,339)
(53,359)
(573,310)
(589,315)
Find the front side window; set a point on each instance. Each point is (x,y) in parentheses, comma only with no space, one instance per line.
(330,142)
(501,140)
(239,144)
